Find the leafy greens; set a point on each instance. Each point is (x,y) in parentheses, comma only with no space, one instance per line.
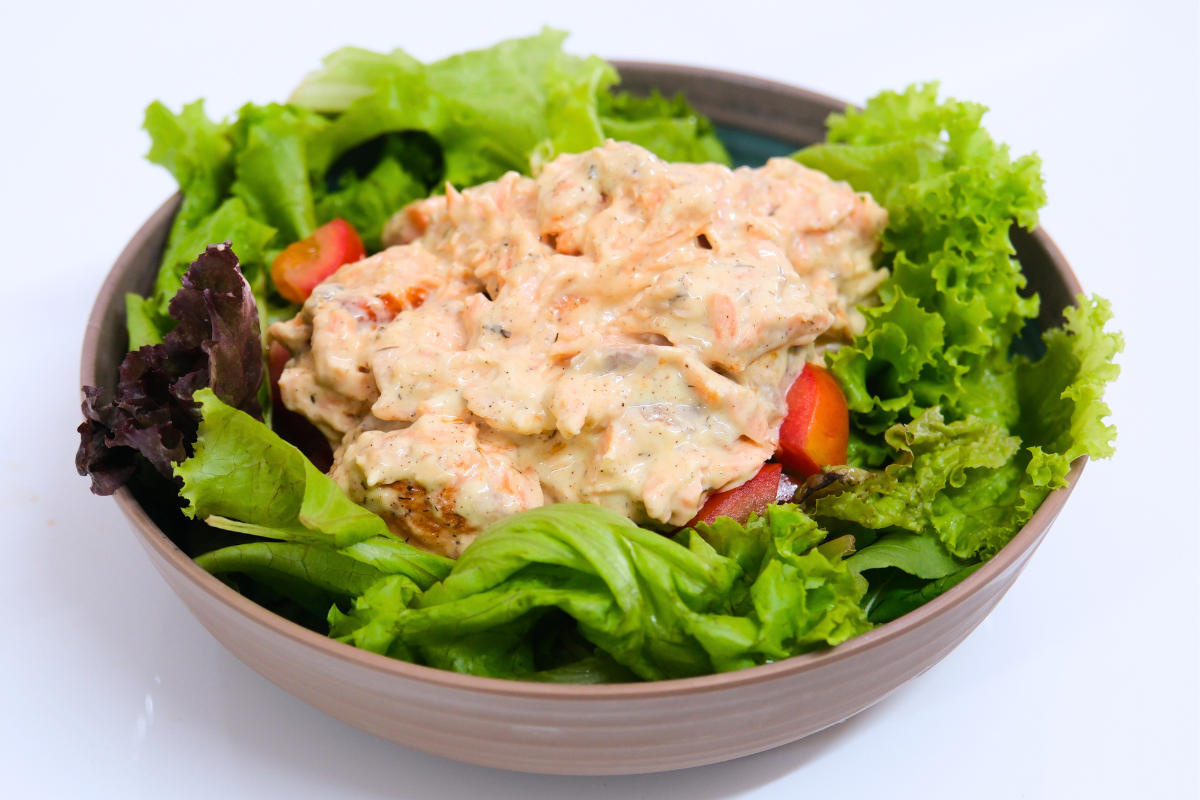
(973,438)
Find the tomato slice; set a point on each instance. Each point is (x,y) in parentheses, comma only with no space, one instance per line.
(304,264)
(753,496)
(293,427)
(277,358)
(816,432)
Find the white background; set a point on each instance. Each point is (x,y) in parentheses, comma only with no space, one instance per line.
(1083,683)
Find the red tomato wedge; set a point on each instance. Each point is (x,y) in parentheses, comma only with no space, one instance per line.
(304,264)
(293,427)
(277,358)
(816,432)
(753,496)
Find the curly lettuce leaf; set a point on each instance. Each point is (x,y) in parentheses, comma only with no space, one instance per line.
(968,482)
(930,455)
(1062,418)
(1062,394)
(952,194)
(941,338)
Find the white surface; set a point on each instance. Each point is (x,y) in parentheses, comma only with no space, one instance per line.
(1083,683)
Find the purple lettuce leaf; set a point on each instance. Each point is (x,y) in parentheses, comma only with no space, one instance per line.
(217,344)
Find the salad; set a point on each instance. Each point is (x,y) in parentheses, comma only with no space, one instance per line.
(483,365)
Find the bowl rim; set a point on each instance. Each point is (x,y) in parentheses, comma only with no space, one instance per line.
(1009,557)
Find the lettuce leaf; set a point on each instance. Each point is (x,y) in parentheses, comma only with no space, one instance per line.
(1062,394)
(671,129)
(230,222)
(488,109)
(970,483)
(317,567)
(952,304)
(929,456)
(897,593)
(196,151)
(350,74)
(272,166)
(977,439)
(215,343)
(199,154)
(368,203)
(492,110)
(243,471)
(662,608)
(914,553)
(242,477)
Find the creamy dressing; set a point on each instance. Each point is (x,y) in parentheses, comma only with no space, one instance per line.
(619,331)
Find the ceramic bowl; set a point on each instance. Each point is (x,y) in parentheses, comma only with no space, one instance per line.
(607,729)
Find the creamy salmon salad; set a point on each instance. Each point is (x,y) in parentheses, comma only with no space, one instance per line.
(617,330)
(491,366)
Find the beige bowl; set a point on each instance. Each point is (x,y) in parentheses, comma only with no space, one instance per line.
(589,730)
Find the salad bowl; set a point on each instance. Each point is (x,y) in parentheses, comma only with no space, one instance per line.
(595,729)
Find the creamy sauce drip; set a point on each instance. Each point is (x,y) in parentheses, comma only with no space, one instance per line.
(619,331)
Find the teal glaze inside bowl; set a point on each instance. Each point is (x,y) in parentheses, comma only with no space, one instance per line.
(748,149)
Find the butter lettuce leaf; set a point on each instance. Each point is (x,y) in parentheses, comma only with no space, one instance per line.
(242,477)
(317,567)
(350,74)
(242,470)
(660,607)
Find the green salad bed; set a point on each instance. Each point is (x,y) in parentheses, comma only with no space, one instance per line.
(963,417)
